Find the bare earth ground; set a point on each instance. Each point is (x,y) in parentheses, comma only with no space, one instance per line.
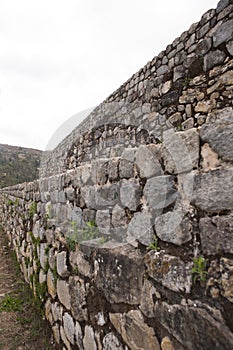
(21,324)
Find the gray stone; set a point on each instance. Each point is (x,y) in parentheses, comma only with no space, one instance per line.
(62,268)
(180,151)
(111,342)
(126,169)
(140,229)
(170,98)
(134,331)
(119,217)
(113,169)
(114,264)
(213,191)
(170,271)
(203,46)
(217,234)
(179,72)
(213,58)
(162,70)
(103,221)
(147,162)
(70,194)
(130,192)
(51,284)
(64,339)
(149,296)
(43,255)
(88,194)
(230,47)
(89,339)
(160,192)
(107,196)
(78,261)
(209,332)
(219,134)
(99,171)
(173,227)
(79,335)
(222,4)
(224,33)
(63,293)
(78,292)
(226,269)
(69,327)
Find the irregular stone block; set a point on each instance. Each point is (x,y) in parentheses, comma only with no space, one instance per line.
(78,292)
(140,228)
(230,47)
(130,192)
(213,58)
(79,335)
(62,268)
(135,332)
(226,269)
(173,227)
(166,344)
(103,221)
(218,132)
(217,234)
(113,265)
(89,339)
(119,217)
(99,171)
(213,191)
(110,341)
(107,196)
(147,162)
(160,192)
(78,261)
(170,271)
(68,327)
(180,150)
(178,321)
(63,293)
(126,169)
(224,33)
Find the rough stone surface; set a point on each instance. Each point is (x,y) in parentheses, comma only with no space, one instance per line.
(217,234)
(111,342)
(178,321)
(51,284)
(213,58)
(130,192)
(160,192)
(170,271)
(224,33)
(113,266)
(137,334)
(147,162)
(226,269)
(62,268)
(78,292)
(181,151)
(173,227)
(63,293)
(140,229)
(89,339)
(213,191)
(68,327)
(219,134)
(166,344)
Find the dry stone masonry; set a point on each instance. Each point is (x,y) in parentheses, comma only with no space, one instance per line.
(127,237)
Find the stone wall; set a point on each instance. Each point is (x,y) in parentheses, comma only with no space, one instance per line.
(127,238)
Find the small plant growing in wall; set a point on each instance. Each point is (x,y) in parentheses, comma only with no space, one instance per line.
(199,269)
(32,209)
(154,245)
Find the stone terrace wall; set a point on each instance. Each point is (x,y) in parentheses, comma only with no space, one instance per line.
(179,87)
(129,242)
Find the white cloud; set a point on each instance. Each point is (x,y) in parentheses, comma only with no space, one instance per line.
(61,57)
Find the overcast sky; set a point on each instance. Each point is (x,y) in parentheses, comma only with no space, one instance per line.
(60,57)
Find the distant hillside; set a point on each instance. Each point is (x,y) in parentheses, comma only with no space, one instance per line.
(18,164)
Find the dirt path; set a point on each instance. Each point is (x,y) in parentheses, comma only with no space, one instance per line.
(21,325)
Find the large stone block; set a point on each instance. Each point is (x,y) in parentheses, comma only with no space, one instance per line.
(63,293)
(78,292)
(170,271)
(224,33)
(140,228)
(180,150)
(217,234)
(135,332)
(111,342)
(69,327)
(218,132)
(147,162)
(173,227)
(213,191)
(113,267)
(208,331)
(160,192)
(130,192)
